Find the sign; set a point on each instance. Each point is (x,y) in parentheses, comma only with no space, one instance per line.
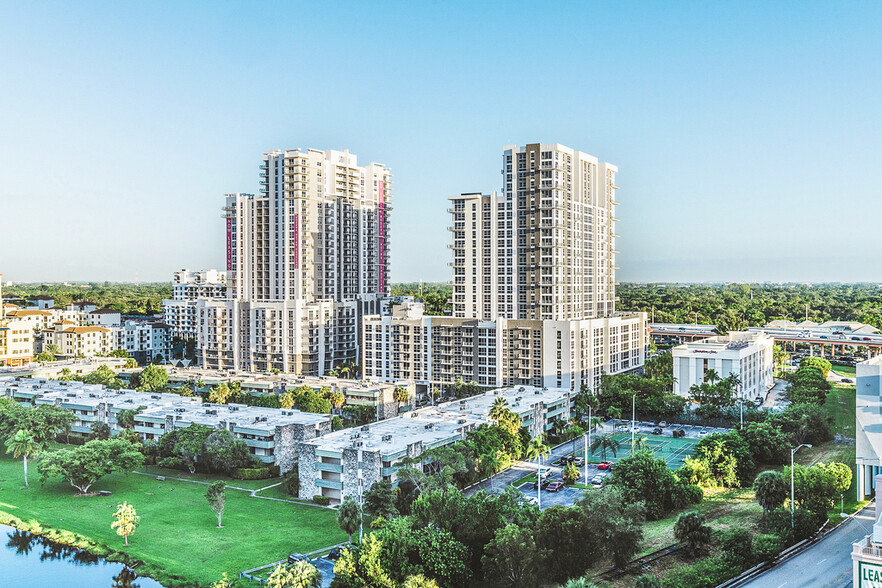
(869,575)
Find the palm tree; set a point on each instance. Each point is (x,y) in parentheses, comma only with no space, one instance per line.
(711,376)
(499,408)
(23,445)
(490,464)
(691,529)
(349,517)
(771,490)
(538,449)
(640,444)
(616,413)
(400,395)
(605,442)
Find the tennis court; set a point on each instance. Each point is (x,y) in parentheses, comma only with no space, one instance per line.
(673,451)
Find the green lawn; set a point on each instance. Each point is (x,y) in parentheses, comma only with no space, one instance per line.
(847,371)
(178,535)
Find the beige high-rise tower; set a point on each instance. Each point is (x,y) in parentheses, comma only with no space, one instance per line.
(544,248)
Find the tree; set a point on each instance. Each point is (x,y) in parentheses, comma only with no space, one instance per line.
(379,500)
(401,395)
(300,574)
(125,520)
(222,452)
(152,379)
(771,490)
(23,445)
(363,566)
(647,581)
(491,462)
(217,498)
(419,581)
(512,558)
(349,517)
(44,357)
(84,465)
(616,522)
(187,443)
(604,443)
(564,535)
(99,430)
(570,474)
(441,556)
(337,399)
(690,528)
(644,478)
(220,394)
(498,409)
(819,363)
(126,417)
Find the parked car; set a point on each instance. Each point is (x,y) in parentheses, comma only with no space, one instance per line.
(335,554)
(597,480)
(663,424)
(545,483)
(604,465)
(533,500)
(578,461)
(848,380)
(702,434)
(657,431)
(566,459)
(295,557)
(555,486)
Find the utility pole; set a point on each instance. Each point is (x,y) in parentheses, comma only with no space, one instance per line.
(587,443)
(633,419)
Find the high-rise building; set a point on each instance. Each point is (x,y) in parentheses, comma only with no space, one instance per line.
(544,248)
(533,285)
(306,258)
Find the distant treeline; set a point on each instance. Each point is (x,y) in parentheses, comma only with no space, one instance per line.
(126,298)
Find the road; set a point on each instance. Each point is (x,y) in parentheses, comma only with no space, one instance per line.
(826,564)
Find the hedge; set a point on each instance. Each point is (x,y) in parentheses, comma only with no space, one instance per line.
(322,500)
(250,473)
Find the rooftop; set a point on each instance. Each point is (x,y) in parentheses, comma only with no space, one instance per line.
(521,399)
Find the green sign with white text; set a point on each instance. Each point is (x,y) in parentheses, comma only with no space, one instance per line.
(869,575)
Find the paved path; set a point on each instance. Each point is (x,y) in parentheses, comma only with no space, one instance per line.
(826,564)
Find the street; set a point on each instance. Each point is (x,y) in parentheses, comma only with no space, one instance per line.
(826,564)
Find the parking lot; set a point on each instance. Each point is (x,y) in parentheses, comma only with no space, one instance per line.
(672,450)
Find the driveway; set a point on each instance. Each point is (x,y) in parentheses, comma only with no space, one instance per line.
(826,564)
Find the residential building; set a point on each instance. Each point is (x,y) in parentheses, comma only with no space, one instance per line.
(346,463)
(306,258)
(533,286)
(104,317)
(41,302)
(77,341)
(868,426)
(190,289)
(57,369)
(746,354)
(16,338)
(144,341)
(271,434)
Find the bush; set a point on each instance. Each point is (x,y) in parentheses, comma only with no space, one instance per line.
(250,473)
(291,485)
(322,500)
(172,463)
(737,547)
(647,581)
(766,547)
(693,494)
(705,573)
(275,471)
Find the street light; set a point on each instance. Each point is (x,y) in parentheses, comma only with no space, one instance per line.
(792,481)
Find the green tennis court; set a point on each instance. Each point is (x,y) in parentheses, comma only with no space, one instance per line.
(673,451)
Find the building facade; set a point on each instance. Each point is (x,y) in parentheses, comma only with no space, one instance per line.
(306,259)
(190,289)
(747,354)
(533,285)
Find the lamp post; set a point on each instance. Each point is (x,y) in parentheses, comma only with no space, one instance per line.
(793,483)
(587,443)
(633,419)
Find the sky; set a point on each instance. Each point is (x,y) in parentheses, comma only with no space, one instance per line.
(747,135)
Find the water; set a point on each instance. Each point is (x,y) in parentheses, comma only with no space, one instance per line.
(30,560)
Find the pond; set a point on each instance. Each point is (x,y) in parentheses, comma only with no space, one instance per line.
(30,560)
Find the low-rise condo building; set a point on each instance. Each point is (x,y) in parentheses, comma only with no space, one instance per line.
(747,354)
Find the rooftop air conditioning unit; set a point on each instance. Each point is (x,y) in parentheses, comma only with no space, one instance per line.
(387,437)
(520,388)
(358,444)
(365,428)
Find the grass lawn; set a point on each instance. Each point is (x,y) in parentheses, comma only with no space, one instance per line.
(178,534)
(847,371)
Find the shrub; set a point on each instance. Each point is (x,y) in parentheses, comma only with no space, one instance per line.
(291,485)
(250,473)
(737,547)
(322,500)
(172,463)
(275,471)
(705,573)
(766,547)
(647,581)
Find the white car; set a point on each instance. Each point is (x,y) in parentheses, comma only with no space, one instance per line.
(702,434)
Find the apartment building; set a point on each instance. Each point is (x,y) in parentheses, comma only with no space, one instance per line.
(144,341)
(77,341)
(306,258)
(183,312)
(16,337)
(346,463)
(434,351)
(271,434)
(747,354)
(544,248)
(533,285)
(90,403)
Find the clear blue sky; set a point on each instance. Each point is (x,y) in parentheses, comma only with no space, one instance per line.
(747,134)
